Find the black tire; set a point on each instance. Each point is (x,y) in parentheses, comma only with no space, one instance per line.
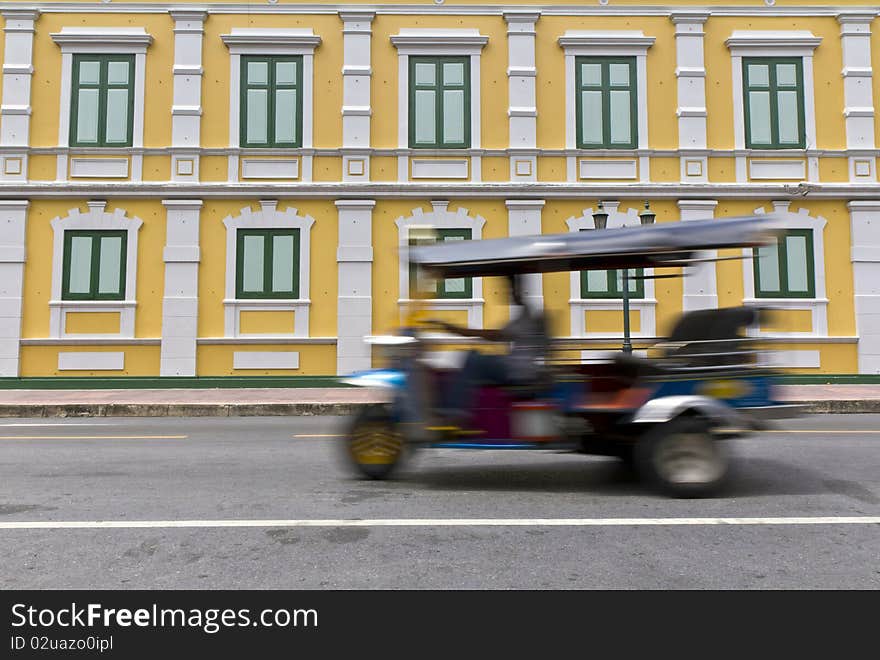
(374,445)
(682,458)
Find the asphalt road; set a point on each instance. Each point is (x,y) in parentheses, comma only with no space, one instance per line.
(159,472)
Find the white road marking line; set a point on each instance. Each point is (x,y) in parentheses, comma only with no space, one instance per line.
(440,522)
(827,432)
(93,437)
(62,424)
(317,435)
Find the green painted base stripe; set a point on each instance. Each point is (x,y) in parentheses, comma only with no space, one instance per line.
(165,382)
(829,379)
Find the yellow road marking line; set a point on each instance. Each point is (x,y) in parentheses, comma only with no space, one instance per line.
(93,437)
(317,435)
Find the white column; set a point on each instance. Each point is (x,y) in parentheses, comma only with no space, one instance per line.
(186,110)
(15,109)
(524,219)
(855,36)
(690,70)
(356,111)
(865,255)
(700,287)
(180,304)
(13,219)
(354,257)
(523,111)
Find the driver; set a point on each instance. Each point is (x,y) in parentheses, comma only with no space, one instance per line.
(526,334)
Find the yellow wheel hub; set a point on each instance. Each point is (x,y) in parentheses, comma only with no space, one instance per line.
(376,444)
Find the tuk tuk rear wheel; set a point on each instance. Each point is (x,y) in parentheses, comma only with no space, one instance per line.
(374,445)
(682,458)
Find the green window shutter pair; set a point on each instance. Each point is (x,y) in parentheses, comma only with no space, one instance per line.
(786,269)
(454,287)
(271,101)
(773,95)
(94,265)
(267,263)
(102,101)
(609,283)
(606,102)
(439,102)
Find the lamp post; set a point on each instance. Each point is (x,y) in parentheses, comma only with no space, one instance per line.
(646,217)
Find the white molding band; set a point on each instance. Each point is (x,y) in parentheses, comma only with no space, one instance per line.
(691,74)
(524,219)
(772,43)
(580,306)
(180,304)
(440,217)
(272,41)
(435,41)
(356,80)
(522,111)
(699,287)
(97,219)
(13,221)
(631,43)
(818,305)
(186,111)
(855,38)
(354,257)
(268,217)
(865,257)
(15,107)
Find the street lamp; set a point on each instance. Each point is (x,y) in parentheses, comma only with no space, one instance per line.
(646,217)
(600,217)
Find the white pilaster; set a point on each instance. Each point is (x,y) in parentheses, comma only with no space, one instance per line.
(186,111)
(354,257)
(865,255)
(522,111)
(690,70)
(15,109)
(700,285)
(524,219)
(356,111)
(13,219)
(180,304)
(855,37)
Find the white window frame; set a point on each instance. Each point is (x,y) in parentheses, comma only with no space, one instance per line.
(435,42)
(272,41)
(97,219)
(441,218)
(268,217)
(602,43)
(580,306)
(773,43)
(818,305)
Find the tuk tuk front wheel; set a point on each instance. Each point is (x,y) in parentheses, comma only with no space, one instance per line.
(682,458)
(374,445)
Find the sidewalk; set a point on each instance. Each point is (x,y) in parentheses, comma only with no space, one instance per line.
(312,401)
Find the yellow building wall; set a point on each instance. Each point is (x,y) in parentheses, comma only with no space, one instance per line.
(43,360)
(314,360)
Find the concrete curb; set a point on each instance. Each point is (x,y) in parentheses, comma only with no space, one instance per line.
(291,409)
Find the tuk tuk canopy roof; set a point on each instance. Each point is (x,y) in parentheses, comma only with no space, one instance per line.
(645,246)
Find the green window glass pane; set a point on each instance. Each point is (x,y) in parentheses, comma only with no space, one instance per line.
(117,73)
(426,73)
(789,129)
(258,73)
(453,115)
(285,73)
(453,73)
(285,115)
(621,126)
(89,73)
(257,115)
(110,265)
(253,263)
(796,264)
(591,117)
(786,75)
(425,116)
(117,116)
(768,269)
(87,115)
(282,263)
(454,285)
(591,74)
(80,266)
(618,74)
(759,117)
(758,75)
(597,281)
